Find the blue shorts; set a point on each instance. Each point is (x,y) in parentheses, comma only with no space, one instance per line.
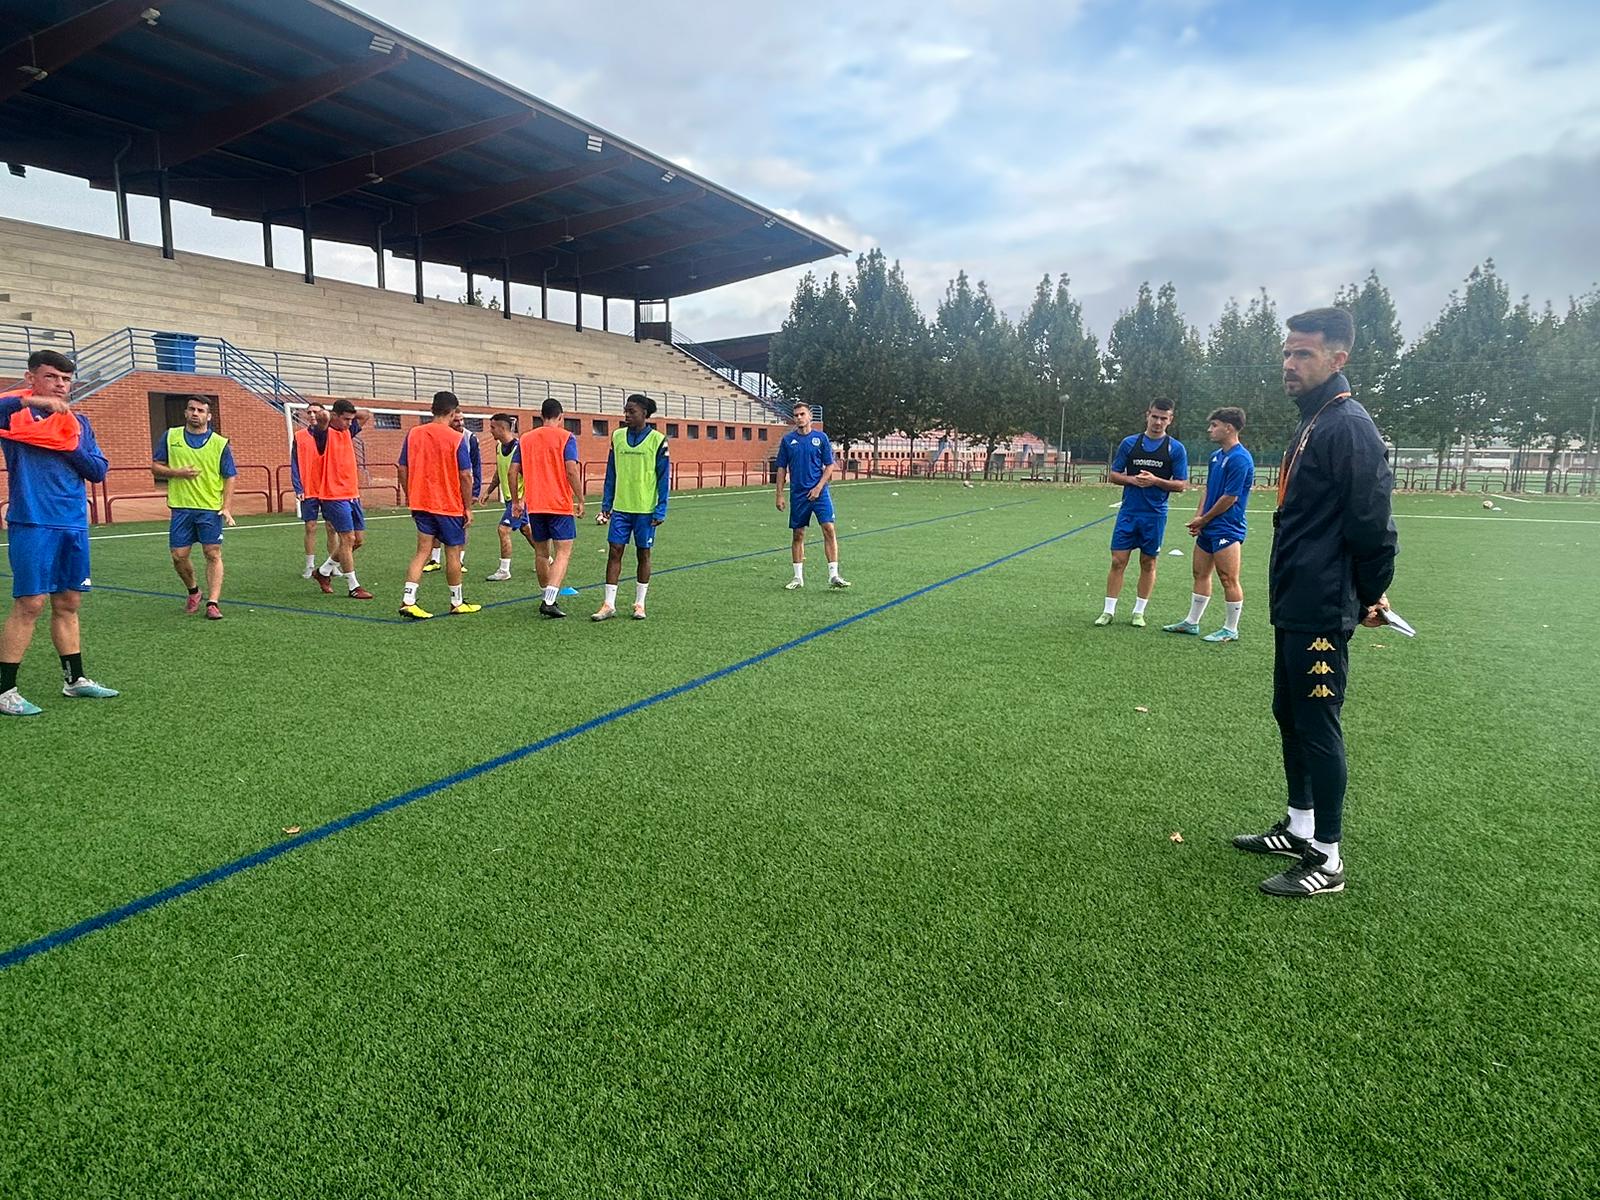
(636,526)
(45,561)
(802,508)
(451,531)
(548,526)
(513,523)
(1143,531)
(344,516)
(1212,542)
(191,525)
(310,508)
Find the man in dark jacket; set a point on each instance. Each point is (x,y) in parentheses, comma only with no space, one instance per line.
(1333,549)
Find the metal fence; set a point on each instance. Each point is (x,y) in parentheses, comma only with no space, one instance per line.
(17,342)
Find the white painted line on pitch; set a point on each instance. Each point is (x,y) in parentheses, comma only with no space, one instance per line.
(1513,499)
(1494,520)
(706,494)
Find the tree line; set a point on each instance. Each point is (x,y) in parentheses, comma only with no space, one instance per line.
(1486,369)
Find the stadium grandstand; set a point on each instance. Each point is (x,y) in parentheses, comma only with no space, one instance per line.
(307,114)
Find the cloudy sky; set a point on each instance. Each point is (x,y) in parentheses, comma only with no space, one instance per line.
(1222,146)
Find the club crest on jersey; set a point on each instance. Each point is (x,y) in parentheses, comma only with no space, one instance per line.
(1321,644)
(816,441)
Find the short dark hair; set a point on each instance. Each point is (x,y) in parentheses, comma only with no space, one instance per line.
(505,419)
(445,403)
(50,358)
(1336,325)
(1231,414)
(345,407)
(799,404)
(643,402)
(1161,404)
(551,409)
(206,400)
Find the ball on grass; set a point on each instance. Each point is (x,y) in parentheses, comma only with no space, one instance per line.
(1488,503)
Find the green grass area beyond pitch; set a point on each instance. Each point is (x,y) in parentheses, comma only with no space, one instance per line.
(896,912)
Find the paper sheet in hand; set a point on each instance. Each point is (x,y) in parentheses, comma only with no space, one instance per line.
(1397,623)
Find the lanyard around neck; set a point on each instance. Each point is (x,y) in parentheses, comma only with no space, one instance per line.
(1292,459)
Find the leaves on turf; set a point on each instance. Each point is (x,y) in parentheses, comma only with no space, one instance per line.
(1175,836)
(291,829)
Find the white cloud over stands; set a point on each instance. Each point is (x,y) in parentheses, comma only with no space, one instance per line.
(1221,147)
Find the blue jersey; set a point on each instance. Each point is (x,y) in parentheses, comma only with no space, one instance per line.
(195,441)
(1232,473)
(1139,453)
(805,455)
(46,486)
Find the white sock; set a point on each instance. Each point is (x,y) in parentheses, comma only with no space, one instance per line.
(639,589)
(1139,603)
(311,562)
(327,567)
(455,594)
(1331,849)
(1235,607)
(505,565)
(1302,822)
(611,595)
(350,578)
(833,570)
(409,596)
(550,594)
(1197,607)
(1111,606)
(800,572)
(433,557)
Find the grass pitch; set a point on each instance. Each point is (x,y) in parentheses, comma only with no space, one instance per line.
(893,911)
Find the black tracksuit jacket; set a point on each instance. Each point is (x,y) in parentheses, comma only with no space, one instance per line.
(1333,541)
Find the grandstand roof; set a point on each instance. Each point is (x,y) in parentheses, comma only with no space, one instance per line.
(748,353)
(292,110)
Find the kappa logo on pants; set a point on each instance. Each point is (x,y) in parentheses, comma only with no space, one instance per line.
(1322,692)
(1320,668)
(1322,644)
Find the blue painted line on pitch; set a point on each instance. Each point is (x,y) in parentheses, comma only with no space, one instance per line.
(230,602)
(115,916)
(308,612)
(713,562)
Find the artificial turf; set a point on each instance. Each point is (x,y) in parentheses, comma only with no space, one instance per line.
(895,911)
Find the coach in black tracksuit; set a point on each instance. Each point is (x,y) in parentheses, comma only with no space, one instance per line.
(1333,549)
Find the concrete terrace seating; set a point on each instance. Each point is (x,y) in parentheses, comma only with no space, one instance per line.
(96,285)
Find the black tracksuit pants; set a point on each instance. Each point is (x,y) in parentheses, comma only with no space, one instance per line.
(1308,683)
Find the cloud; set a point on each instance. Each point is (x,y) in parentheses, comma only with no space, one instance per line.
(1224,147)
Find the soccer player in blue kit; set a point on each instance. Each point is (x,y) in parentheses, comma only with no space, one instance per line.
(805,461)
(50,452)
(1218,528)
(1149,466)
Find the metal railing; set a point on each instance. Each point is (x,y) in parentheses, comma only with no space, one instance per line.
(17,342)
(322,375)
(120,354)
(712,361)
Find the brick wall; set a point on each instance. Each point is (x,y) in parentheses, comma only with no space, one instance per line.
(121,418)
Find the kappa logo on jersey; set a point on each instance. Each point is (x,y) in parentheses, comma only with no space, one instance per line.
(1322,692)
(1320,668)
(1321,644)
